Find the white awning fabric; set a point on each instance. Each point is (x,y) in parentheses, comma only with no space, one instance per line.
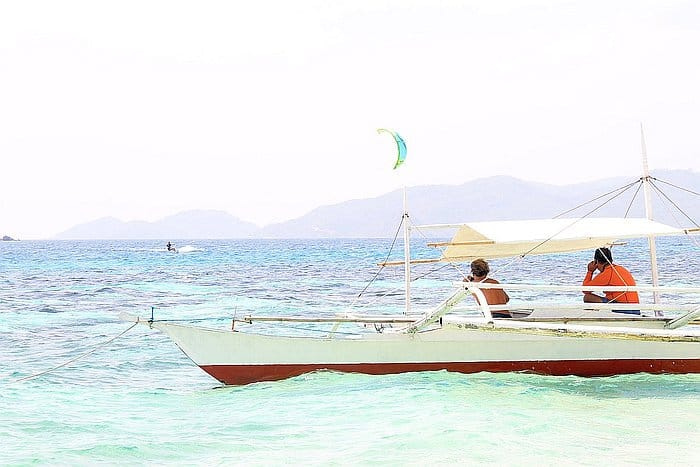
(545,236)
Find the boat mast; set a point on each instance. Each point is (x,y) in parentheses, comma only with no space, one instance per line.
(406,252)
(650,215)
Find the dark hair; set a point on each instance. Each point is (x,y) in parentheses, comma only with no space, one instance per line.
(603,255)
(480,267)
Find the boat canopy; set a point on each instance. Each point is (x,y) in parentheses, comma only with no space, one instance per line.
(501,239)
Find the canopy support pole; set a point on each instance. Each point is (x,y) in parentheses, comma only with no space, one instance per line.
(649,215)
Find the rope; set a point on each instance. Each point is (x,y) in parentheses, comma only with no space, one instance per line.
(627,187)
(396,235)
(623,189)
(634,196)
(435,270)
(442,250)
(675,186)
(671,213)
(26,378)
(674,204)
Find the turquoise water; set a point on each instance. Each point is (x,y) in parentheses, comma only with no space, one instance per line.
(139,400)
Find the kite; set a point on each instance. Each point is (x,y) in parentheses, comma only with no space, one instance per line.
(400,146)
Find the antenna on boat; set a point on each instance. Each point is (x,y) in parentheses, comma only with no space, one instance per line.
(650,215)
(400,158)
(406,252)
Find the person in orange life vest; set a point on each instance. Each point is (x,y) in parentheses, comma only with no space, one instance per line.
(480,271)
(608,274)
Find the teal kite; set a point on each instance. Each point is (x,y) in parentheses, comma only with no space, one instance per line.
(400,146)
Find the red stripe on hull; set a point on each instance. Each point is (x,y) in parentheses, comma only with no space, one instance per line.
(245,374)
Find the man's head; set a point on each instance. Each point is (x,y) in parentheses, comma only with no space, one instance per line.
(603,256)
(480,267)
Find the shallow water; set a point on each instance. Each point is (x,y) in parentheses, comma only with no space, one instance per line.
(139,400)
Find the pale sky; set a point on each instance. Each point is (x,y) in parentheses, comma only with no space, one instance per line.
(268,109)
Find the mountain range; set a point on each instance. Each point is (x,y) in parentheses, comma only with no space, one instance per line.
(492,198)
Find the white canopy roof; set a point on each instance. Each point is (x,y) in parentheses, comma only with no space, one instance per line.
(545,236)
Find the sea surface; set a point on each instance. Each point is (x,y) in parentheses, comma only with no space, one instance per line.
(78,387)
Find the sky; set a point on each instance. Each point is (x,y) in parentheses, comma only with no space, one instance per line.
(268,109)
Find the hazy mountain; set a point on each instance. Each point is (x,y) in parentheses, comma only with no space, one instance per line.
(493,198)
(189,224)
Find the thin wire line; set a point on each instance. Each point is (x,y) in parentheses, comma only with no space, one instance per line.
(76,358)
(391,248)
(675,186)
(597,198)
(577,220)
(674,204)
(442,252)
(639,187)
(673,215)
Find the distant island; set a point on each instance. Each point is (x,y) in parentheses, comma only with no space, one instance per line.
(7,238)
(492,198)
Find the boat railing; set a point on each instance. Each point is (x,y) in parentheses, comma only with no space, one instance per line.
(476,289)
(689,312)
(578,288)
(549,306)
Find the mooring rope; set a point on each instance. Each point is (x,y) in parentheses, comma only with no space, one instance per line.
(73,360)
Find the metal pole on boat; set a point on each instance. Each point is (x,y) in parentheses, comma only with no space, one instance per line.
(407,252)
(650,215)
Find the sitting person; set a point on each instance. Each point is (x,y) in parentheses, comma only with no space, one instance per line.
(480,271)
(608,274)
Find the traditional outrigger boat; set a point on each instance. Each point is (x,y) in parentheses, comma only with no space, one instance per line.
(547,338)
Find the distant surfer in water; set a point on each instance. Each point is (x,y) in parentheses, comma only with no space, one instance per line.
(170,247)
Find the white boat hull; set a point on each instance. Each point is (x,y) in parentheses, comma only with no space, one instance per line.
(241,358)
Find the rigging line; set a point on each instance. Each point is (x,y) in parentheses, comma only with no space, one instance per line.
(396,235)
(450,263)
(674,204)
(396,289)
(675,186)
(617,273)
(639,187)
(623,188)
(673,215)
(442,252)
(75,359)
(575,221)
(433,271)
